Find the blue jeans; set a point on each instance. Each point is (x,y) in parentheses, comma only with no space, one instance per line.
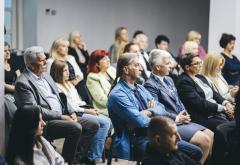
(191,150)
(97,145)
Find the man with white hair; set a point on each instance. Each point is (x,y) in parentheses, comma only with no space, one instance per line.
(163,90)
(36,87)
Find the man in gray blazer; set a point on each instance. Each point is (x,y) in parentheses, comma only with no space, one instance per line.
(36,87)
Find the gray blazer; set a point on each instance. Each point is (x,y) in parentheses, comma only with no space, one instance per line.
(26,92)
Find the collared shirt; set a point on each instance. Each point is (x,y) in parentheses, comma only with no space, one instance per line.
(42,84)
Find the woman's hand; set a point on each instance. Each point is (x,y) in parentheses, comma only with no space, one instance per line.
(91,111)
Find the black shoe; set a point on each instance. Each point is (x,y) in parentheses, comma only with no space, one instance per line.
(87,161)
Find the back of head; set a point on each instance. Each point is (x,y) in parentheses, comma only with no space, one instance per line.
(210,64)
(23,134)
(159,125)
(156,57)
(225,39)
(30,54)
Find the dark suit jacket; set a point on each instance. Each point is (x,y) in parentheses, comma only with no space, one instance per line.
(26,92)
(82,66)
(194,100)
(169,98)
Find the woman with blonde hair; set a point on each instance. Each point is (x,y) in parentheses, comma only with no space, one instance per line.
(59,51)
(212,67)
(116,50)
(195,37)
(78,49)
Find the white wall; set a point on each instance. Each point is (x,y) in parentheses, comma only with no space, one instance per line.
(97,20)
(224,18)
(29,23)
(2,114)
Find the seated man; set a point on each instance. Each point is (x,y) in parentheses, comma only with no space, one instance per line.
(35,87)
(162,148)
(131,106)
(163,90)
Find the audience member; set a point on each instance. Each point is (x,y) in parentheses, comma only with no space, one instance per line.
(204,104)
(195,37)
(100,78)
(59,51)
(212,67)
(78,49)
(59,73)
(131,48)
(26,144)
(162,42)
(162,148)
(231,69)
(11,73)
(131,107)
(116,49)
(142,41)
(163,90)
(34,87)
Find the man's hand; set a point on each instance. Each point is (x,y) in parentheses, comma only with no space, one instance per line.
(152,104)
(184,117)
(147,112)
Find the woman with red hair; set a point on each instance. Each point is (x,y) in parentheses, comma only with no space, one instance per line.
(100,78)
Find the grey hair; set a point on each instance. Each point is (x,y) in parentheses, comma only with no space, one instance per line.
(30,54)
(156,57)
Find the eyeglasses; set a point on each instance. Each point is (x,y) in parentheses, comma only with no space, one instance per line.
(197,63)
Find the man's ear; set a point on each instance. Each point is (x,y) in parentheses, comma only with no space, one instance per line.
(30,67)
(125,70)
(157,139)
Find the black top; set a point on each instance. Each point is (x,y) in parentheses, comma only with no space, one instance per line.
(10,76)
(153,157)
(72,75)
(193,98)
(82,66)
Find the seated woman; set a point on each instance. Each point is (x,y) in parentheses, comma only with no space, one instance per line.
(26,144)
(116,49)
(163,90)
(78,50)
(193,36)
(204,104)
(59,51)
(131,107)
(11,74)
(59,72)
(231,69)
(212,67)
(100,79)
